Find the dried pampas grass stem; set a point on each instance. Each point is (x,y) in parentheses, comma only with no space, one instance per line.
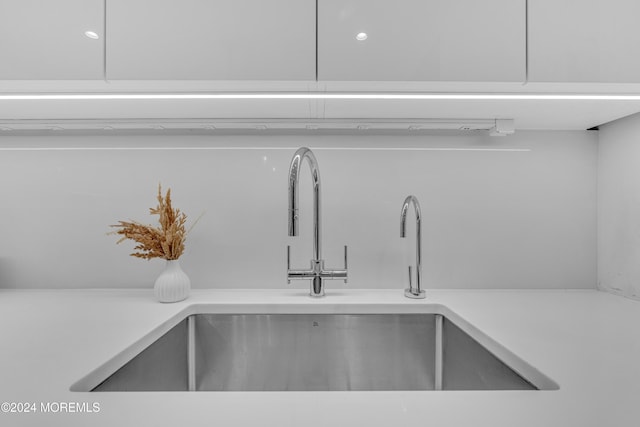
(166,241)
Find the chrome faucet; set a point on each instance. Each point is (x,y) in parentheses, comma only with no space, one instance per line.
(317,273)
(412,292)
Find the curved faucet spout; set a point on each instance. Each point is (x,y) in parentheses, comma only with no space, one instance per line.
(413,292)
(294,176)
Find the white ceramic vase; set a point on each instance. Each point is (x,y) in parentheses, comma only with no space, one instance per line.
(173,284)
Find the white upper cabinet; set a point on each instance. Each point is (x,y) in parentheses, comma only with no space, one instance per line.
(584,41)
(211,39)
(45,40)
(422,40)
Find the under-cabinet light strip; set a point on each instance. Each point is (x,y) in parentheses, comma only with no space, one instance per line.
(313,95)
(511,150)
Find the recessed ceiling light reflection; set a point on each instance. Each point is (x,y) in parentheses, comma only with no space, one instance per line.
(92,35)
(361,37)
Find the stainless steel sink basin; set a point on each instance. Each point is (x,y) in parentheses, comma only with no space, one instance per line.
(316,352)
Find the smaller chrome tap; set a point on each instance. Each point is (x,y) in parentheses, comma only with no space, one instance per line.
(411,291)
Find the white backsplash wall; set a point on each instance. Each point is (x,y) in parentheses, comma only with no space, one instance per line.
(514,212)
(619,207)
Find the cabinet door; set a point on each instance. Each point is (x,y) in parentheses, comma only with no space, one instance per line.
(584,41)
(45,39)
(211,39)
(422,40)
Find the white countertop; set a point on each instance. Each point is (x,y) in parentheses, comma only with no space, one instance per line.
(586,341)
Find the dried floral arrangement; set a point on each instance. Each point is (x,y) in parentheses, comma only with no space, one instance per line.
(166,241)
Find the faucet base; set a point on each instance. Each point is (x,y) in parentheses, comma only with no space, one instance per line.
(317,287)
(410,293)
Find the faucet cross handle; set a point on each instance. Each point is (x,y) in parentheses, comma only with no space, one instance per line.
(288,263)
(346,278)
